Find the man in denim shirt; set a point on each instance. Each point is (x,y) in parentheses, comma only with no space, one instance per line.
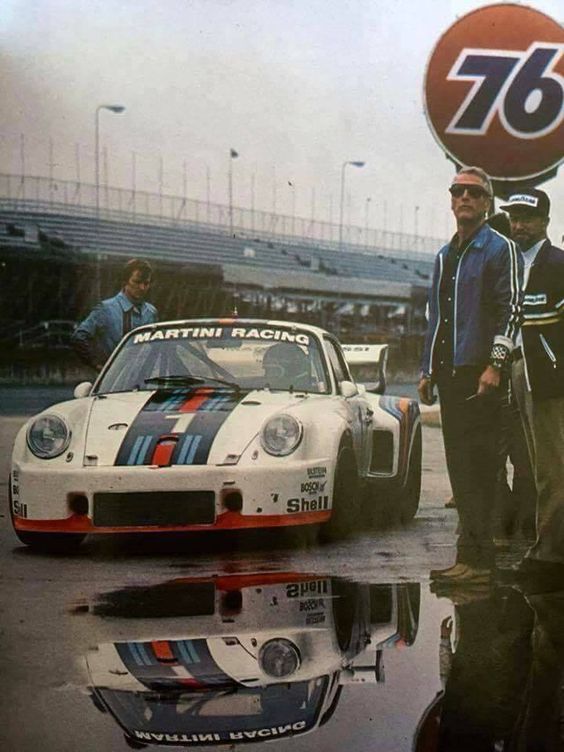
(99,333)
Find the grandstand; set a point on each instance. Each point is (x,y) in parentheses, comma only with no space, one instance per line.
(59,255)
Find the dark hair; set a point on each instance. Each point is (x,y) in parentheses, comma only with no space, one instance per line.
(500,222)
(134,265)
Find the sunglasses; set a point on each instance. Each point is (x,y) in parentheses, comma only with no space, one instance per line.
(474,191)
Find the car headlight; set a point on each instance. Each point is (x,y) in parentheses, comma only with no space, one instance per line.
(48,436)
(279,658)
(281,435)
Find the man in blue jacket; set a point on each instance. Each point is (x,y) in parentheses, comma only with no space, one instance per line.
(474,315)
(99,333)
(538,376)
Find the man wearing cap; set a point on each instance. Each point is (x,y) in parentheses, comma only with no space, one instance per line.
(538,375)
(474,314)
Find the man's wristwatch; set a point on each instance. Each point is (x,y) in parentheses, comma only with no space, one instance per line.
(499,356)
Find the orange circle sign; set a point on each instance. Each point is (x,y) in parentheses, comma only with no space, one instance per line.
(494,92)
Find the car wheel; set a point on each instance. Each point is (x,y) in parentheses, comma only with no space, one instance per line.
(346,497)
(343,601)
(410,493)
(409,601)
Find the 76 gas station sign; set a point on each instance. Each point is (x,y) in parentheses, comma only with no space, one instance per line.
(494,92)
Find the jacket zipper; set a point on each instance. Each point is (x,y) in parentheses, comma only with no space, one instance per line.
(430,370)
(548,350)
(456,306)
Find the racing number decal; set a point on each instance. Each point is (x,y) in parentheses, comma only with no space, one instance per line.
(20,510)
(522,88)
(18,507)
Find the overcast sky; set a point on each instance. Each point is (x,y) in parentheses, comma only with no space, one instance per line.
(295,86)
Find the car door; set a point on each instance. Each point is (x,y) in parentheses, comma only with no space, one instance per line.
(357,407)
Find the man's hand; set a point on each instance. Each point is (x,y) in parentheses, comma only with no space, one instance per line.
(425,390)
(489,380)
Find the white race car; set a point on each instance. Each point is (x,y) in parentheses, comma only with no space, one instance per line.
(240,658)
(212,425)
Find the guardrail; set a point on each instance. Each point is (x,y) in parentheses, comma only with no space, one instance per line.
(55,333)
(65,196)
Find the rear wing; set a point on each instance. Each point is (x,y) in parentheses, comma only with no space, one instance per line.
(367,364)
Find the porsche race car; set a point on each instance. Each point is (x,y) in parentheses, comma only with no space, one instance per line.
(217,424)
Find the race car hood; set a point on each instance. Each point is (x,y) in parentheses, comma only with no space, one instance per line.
(195,426)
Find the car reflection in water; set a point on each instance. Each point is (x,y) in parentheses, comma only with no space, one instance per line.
(242,658)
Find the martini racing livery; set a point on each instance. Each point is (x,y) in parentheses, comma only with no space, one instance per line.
(240,658)
(214,425)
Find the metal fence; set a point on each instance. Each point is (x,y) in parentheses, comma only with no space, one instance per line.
(84,199)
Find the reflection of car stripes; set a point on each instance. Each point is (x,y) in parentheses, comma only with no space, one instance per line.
(188,451)
(195,657)
(177,399)
(215,404)
(188,652)
(139,450)
(140,654)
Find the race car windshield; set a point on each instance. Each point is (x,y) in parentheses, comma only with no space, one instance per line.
(280,709)
(242,357)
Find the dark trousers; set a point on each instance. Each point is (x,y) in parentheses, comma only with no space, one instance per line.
(471,433)
(515,506)
(487,682)
(539,728)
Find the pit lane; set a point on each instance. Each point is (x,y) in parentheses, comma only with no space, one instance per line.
(44,640)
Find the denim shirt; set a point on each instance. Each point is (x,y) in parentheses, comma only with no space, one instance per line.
(100,332)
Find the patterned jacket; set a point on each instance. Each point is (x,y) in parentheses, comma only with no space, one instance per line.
(543,326)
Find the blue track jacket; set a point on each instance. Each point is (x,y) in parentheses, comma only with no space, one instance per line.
(487,302)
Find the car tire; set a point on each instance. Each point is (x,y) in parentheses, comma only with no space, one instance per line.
(409,603)
(410,493)
(345,512)
(343,604)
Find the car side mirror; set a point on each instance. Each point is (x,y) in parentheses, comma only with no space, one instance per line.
(348,389)
(83,389)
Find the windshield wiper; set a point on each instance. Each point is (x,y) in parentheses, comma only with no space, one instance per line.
(186,379)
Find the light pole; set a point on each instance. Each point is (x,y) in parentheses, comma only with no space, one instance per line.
(233,154)
(366,208)
(343,168)
(117,109)
(292,187)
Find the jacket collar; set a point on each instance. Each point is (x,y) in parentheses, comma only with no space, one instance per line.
(477,240)
(542,252)
(126,304)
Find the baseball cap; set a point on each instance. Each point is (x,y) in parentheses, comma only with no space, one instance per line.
(536,201)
